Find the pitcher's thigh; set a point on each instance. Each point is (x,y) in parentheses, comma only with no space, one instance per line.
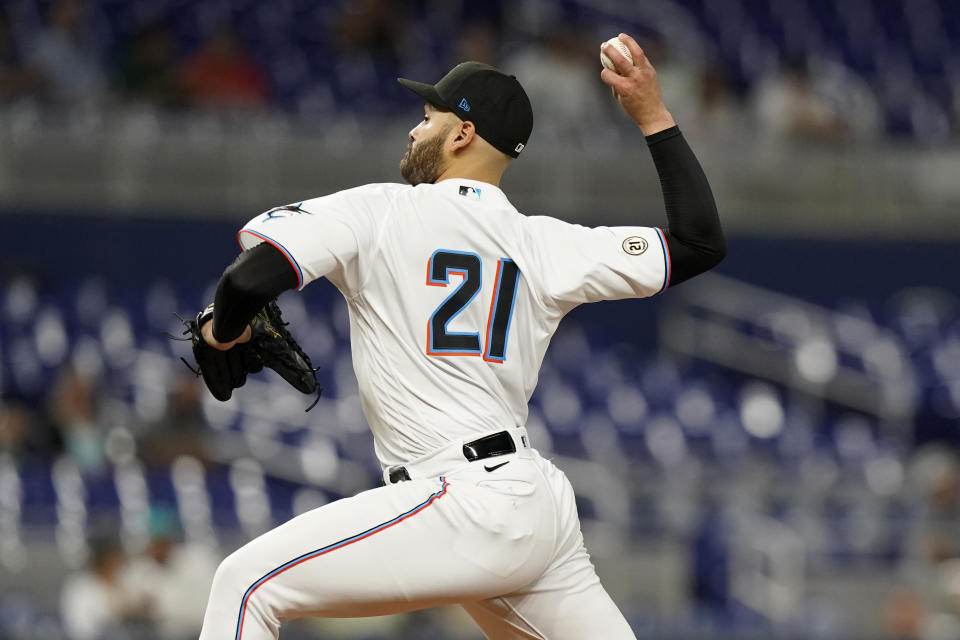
(384,551)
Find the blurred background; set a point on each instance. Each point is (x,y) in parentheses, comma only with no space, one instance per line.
(768,451)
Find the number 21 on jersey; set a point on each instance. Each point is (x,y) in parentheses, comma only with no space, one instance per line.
(469,266)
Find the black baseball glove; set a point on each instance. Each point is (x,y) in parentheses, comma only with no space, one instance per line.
(270,345)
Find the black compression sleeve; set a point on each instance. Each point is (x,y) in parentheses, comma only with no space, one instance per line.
(256,277)
(694,236)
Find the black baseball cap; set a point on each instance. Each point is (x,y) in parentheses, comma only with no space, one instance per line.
(489,98)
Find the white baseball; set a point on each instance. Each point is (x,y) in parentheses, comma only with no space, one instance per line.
(621,47)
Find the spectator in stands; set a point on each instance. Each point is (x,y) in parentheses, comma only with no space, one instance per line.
(926,603)
(560,71)
(903,615)
(75,408)
(369,36)
(181,429)
(719,110)
(65,58)
(16,78)
(93,602)
(13,427)
(480,36)
(147,68)
(790,105)
(479,41)
(21,431)
(171,580)
(370,26)
(222,75)
(936,537)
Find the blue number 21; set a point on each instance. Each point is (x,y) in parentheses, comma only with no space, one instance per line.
(440,341)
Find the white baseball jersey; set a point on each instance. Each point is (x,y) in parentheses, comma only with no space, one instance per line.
(453,297)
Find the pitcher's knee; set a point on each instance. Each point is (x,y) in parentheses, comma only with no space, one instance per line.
(232,576)
(239,582)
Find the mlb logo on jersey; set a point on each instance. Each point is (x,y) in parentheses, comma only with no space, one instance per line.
(470,192)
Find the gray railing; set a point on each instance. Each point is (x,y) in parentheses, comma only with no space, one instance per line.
(206,166)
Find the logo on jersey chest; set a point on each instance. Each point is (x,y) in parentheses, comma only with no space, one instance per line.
(634,245)
(470,192)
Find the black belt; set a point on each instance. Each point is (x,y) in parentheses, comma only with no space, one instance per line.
(497,444)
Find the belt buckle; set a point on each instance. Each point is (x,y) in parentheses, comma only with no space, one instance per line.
(398,474)
(496,444)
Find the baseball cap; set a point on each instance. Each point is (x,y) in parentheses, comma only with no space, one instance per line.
(489,98)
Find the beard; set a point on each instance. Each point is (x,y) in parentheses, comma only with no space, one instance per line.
(423,164)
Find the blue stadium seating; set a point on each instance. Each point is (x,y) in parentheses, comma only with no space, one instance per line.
(889,43)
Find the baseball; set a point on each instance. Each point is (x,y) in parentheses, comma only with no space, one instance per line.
(622,48)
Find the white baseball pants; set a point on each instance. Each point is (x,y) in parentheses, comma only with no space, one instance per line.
(505,544)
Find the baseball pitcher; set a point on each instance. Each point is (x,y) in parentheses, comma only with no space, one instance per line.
(453,298)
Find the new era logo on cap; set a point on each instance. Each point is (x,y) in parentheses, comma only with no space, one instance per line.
(464,104)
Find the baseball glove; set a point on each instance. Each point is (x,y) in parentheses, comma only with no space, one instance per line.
(270,345)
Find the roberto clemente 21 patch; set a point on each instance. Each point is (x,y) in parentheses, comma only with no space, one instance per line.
(635,245)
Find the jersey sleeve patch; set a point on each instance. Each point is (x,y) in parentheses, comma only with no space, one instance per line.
(635,245)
